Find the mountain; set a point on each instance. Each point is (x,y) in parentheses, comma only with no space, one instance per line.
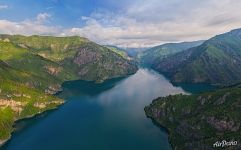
(200,121)
(119,51)
(154,55)
(68,58)
(134,52)
(32,69)
(217,61)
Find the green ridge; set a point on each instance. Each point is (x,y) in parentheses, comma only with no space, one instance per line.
(217,61)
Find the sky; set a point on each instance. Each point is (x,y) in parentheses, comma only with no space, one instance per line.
(124,23)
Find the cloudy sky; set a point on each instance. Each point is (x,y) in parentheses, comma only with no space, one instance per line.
(125,23)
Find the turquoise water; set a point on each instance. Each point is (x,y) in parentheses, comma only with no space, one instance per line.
(108,116)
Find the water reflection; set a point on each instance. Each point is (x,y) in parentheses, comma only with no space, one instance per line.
(139,89)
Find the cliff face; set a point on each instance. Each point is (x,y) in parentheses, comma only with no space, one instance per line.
(101,64)
(200,121)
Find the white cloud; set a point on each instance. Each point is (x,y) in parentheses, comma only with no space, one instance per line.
(144,23)
(3,7)
(42,17)
(153,22)
(29,27)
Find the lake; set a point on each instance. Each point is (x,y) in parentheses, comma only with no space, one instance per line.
(107,116)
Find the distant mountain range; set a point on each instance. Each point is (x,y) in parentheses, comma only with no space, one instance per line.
(216,61)
(156,54)
(131,52)
(134,52)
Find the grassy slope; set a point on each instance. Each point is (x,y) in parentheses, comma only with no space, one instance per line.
(27,99)
(6,122)
(119,51)
(30,66)
(13,86)
(54,48)
(64,51)
(188,118)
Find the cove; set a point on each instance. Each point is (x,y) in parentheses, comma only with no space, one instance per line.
(107,116)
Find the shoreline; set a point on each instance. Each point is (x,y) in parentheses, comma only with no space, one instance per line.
(5,141)
(160,126)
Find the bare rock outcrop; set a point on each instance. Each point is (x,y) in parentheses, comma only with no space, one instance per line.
(223,124)
(53,89)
